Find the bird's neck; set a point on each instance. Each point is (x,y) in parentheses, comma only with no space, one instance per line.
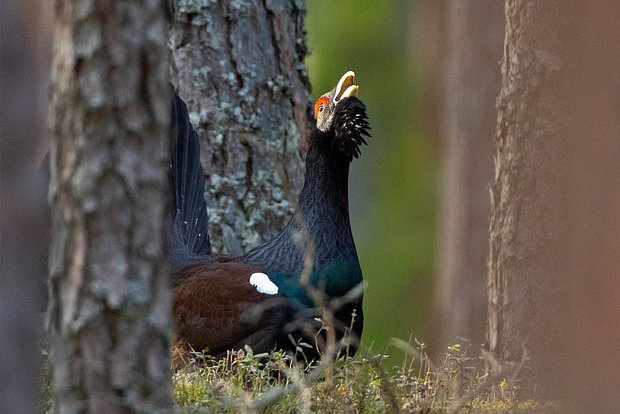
(324,199)
(321,223)
(320,229)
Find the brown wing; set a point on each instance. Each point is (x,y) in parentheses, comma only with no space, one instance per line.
(216,307)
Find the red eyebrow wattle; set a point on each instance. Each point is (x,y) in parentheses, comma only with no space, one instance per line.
(323,100)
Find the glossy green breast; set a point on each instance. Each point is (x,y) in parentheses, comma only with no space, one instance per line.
(334,279)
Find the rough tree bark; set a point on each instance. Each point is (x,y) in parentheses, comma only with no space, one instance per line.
(555,225)
(472,78)
(109,298)
(240,68)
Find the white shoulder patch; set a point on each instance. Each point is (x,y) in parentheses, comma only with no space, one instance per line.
(263,284)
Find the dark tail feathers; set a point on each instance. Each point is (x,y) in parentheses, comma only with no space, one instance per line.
(190,238)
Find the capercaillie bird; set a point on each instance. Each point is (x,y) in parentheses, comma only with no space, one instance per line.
(274,296)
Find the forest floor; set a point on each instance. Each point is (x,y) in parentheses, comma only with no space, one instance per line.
(367,383)
(245,382)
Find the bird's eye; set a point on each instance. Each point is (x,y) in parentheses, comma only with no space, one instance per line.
(320,105)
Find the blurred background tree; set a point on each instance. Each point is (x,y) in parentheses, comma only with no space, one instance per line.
(555,221)
(469,87)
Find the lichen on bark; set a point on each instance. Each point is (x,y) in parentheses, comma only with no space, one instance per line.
(239,66)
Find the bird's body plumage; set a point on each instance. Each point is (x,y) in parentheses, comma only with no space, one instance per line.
(269,298)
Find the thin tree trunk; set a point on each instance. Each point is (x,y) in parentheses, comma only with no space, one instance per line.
(240,68)
(472,79)
(109,298)
(555,230)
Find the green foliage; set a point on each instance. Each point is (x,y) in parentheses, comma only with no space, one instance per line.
(276,383)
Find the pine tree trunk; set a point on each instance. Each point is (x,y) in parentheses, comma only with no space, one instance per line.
(240,68)
(555,224)
(473,48)
(109,298)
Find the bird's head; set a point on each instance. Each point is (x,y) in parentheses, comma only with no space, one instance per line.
(340,112)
